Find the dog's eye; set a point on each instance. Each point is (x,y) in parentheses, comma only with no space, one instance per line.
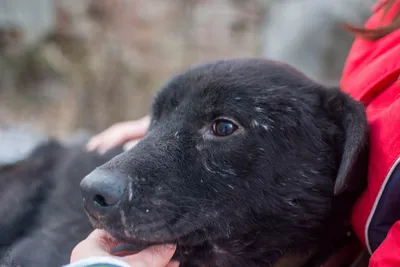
(224,128)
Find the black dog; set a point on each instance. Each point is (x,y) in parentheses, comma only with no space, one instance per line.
(41,213)
(246,163)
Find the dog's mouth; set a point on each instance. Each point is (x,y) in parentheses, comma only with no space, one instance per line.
(177,230)
(132,241)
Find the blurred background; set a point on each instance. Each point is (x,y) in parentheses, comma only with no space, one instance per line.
(74,66)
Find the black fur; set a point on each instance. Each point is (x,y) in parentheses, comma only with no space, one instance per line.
(41,212)
(283,184)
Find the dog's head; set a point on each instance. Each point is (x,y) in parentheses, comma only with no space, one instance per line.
(236,149)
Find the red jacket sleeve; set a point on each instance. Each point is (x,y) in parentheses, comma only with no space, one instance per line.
(388,253)
(372,76)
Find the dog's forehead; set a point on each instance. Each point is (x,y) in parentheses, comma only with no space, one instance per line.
(239,71)
(215,84)
(236,75)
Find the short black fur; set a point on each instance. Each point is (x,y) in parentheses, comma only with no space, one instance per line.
(283,184)
(41,211)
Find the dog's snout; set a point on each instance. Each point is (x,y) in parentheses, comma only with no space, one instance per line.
(103,190)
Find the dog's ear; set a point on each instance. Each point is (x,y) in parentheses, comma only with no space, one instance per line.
(350,116)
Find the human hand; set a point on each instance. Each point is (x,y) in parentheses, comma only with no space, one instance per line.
(99,244)
(118,134)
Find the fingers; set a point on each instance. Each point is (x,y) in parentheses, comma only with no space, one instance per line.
(112,137)
(131,144)
(107,141)
(103,239)
(98,243)
(173,264)
(155,256)
(118,134)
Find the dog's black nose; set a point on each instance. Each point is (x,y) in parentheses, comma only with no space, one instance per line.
(103,190)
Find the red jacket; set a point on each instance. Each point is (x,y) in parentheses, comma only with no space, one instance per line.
(371,75)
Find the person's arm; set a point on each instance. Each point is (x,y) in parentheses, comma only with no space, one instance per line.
(388,253)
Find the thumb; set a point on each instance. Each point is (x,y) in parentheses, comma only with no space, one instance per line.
(98,243)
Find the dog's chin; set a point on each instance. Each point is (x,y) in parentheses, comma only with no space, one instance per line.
(158,232)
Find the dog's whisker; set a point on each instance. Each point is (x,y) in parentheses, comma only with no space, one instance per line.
(130,191)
